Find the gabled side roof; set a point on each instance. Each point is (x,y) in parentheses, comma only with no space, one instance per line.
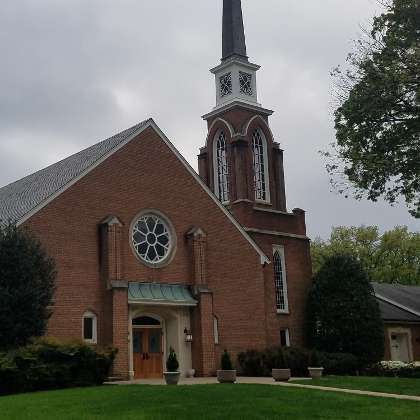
(22,199)
(404,298)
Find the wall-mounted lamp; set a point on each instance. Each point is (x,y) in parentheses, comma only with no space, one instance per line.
(188,336)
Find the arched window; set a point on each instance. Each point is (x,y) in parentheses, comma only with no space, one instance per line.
(259,149)
(216,330)
(90,327)
(221,169)
(280,280)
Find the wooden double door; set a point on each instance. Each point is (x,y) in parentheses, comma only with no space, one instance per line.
(147,353)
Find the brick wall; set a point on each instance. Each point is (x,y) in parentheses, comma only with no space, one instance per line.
(145,174)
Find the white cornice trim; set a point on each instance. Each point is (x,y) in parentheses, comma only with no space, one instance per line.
(227,106)
(398,305)
(275,233)
(235,60)
(284,213)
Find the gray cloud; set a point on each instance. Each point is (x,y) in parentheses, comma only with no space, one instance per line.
(73,73)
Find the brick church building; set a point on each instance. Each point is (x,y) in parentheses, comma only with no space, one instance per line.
(150,255)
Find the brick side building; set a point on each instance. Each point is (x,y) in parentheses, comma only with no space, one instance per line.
(400,310)
(151,255)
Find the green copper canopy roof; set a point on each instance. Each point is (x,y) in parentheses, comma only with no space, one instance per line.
(160,294)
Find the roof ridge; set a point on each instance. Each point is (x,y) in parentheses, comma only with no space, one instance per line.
(77,153)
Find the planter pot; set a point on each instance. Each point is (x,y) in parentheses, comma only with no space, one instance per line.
(315,373)
(226,376)
(281,375)
(171,378)
(190,373)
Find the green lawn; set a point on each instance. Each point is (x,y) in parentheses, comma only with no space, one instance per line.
(202,402)
(389,385)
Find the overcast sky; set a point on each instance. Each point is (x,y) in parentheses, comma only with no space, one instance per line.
(75,72)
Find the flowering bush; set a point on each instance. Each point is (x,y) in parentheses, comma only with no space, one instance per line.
(398,369)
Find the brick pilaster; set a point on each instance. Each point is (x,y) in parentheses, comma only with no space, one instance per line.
(120,331)
(203,348)
(111,269)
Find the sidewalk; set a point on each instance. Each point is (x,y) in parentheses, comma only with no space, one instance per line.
(269,381)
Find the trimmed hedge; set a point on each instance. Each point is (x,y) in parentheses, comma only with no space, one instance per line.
(260,363)
(395,369)
(48,364)
(339,363)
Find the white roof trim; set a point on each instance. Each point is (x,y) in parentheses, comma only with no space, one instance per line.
(398,305)
(236,102)
(150,124)
(275,233)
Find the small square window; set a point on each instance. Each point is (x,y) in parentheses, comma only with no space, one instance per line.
(284,338)
(226,85)
(245,83)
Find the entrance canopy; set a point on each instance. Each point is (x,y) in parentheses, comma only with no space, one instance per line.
(160,294)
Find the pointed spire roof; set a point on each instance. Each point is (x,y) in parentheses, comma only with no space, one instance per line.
(233,30)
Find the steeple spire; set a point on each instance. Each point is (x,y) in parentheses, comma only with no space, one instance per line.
(233,30)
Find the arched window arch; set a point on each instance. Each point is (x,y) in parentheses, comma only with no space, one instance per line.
(280,282)
(90,327)
(221,168)
(260,161)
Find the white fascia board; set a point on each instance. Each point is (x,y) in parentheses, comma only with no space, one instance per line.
(244,104)
(398,305)
(263,258)
(227,63)
(276,233)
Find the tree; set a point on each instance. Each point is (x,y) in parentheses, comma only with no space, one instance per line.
(27,278)
(342,314)
(393,257)
(377,120)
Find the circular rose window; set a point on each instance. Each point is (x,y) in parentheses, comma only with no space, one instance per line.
(151,238)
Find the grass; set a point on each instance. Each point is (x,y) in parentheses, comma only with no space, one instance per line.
(202,402)
(399,386)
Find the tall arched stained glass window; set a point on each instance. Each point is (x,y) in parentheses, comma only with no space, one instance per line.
(221,168)
(280,280)
(259,149)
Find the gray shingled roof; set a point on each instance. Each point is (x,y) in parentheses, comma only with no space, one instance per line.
(390,312)
(21,197)
(406,296)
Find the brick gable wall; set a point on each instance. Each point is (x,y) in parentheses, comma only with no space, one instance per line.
(145,174)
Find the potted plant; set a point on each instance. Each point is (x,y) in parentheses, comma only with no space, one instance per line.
(227,374)
(172,374)
(281,372)
(315,369)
